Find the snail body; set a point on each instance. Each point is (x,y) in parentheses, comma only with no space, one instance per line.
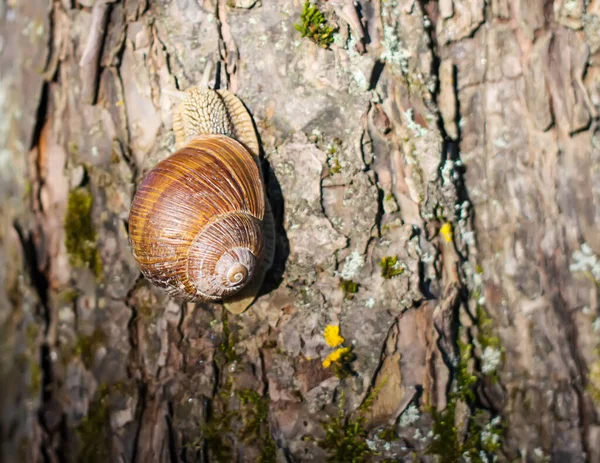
(200,224)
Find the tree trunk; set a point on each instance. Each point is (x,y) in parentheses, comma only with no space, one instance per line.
(434,178)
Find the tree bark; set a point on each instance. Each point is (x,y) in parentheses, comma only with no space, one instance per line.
(434,179)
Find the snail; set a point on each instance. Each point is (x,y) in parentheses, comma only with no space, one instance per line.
(200,224)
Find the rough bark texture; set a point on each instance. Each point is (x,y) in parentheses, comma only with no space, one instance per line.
(458,140)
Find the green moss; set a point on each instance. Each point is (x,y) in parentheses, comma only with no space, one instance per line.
(234,416)
(68,296)
(342,368)
(255,419)
(372,396)
(24,449)
(227,346)
(216,433)
(389,433)
(446,446)
(390,267)
(345,437)
(13,291)
(593,385)
(314,26)
(94,430)
(482,439)
(270,344)
(80,236)
(486,336)
(488,339)
(115,158)
(349,287)
(334,166)
(27,189)
(145,311)
(465,380)
(32,358)
(36,377)
(31,332)
(249,423)
(86,346)
(73,149)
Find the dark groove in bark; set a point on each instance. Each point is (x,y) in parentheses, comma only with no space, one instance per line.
(382,356)
(222,48)
(171,434)
(141,408)
(40,117)
(38,278)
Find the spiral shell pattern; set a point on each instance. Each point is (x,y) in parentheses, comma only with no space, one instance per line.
(196,221)
(222,259)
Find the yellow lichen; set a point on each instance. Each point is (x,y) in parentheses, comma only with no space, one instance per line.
(446,232)
(332,335)
(335,356)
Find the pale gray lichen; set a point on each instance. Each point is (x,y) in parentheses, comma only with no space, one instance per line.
(6,154)
(490,436)
(490,360)
(352,266)
(353,72)
(586,261)
(338,40)
(539,453)
(591,28)
(393,52)
(468,237)
(410,416)
(426,21)
(463,209)
(449,172)
(427,258)
(417,130)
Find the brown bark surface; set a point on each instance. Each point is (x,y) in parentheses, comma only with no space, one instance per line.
(457,141)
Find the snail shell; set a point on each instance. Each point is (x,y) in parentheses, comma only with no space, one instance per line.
(200,224)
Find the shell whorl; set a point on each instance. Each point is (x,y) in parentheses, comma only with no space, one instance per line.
(196,221)
(225,255)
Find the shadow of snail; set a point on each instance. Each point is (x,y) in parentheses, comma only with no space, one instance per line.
(200,224)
